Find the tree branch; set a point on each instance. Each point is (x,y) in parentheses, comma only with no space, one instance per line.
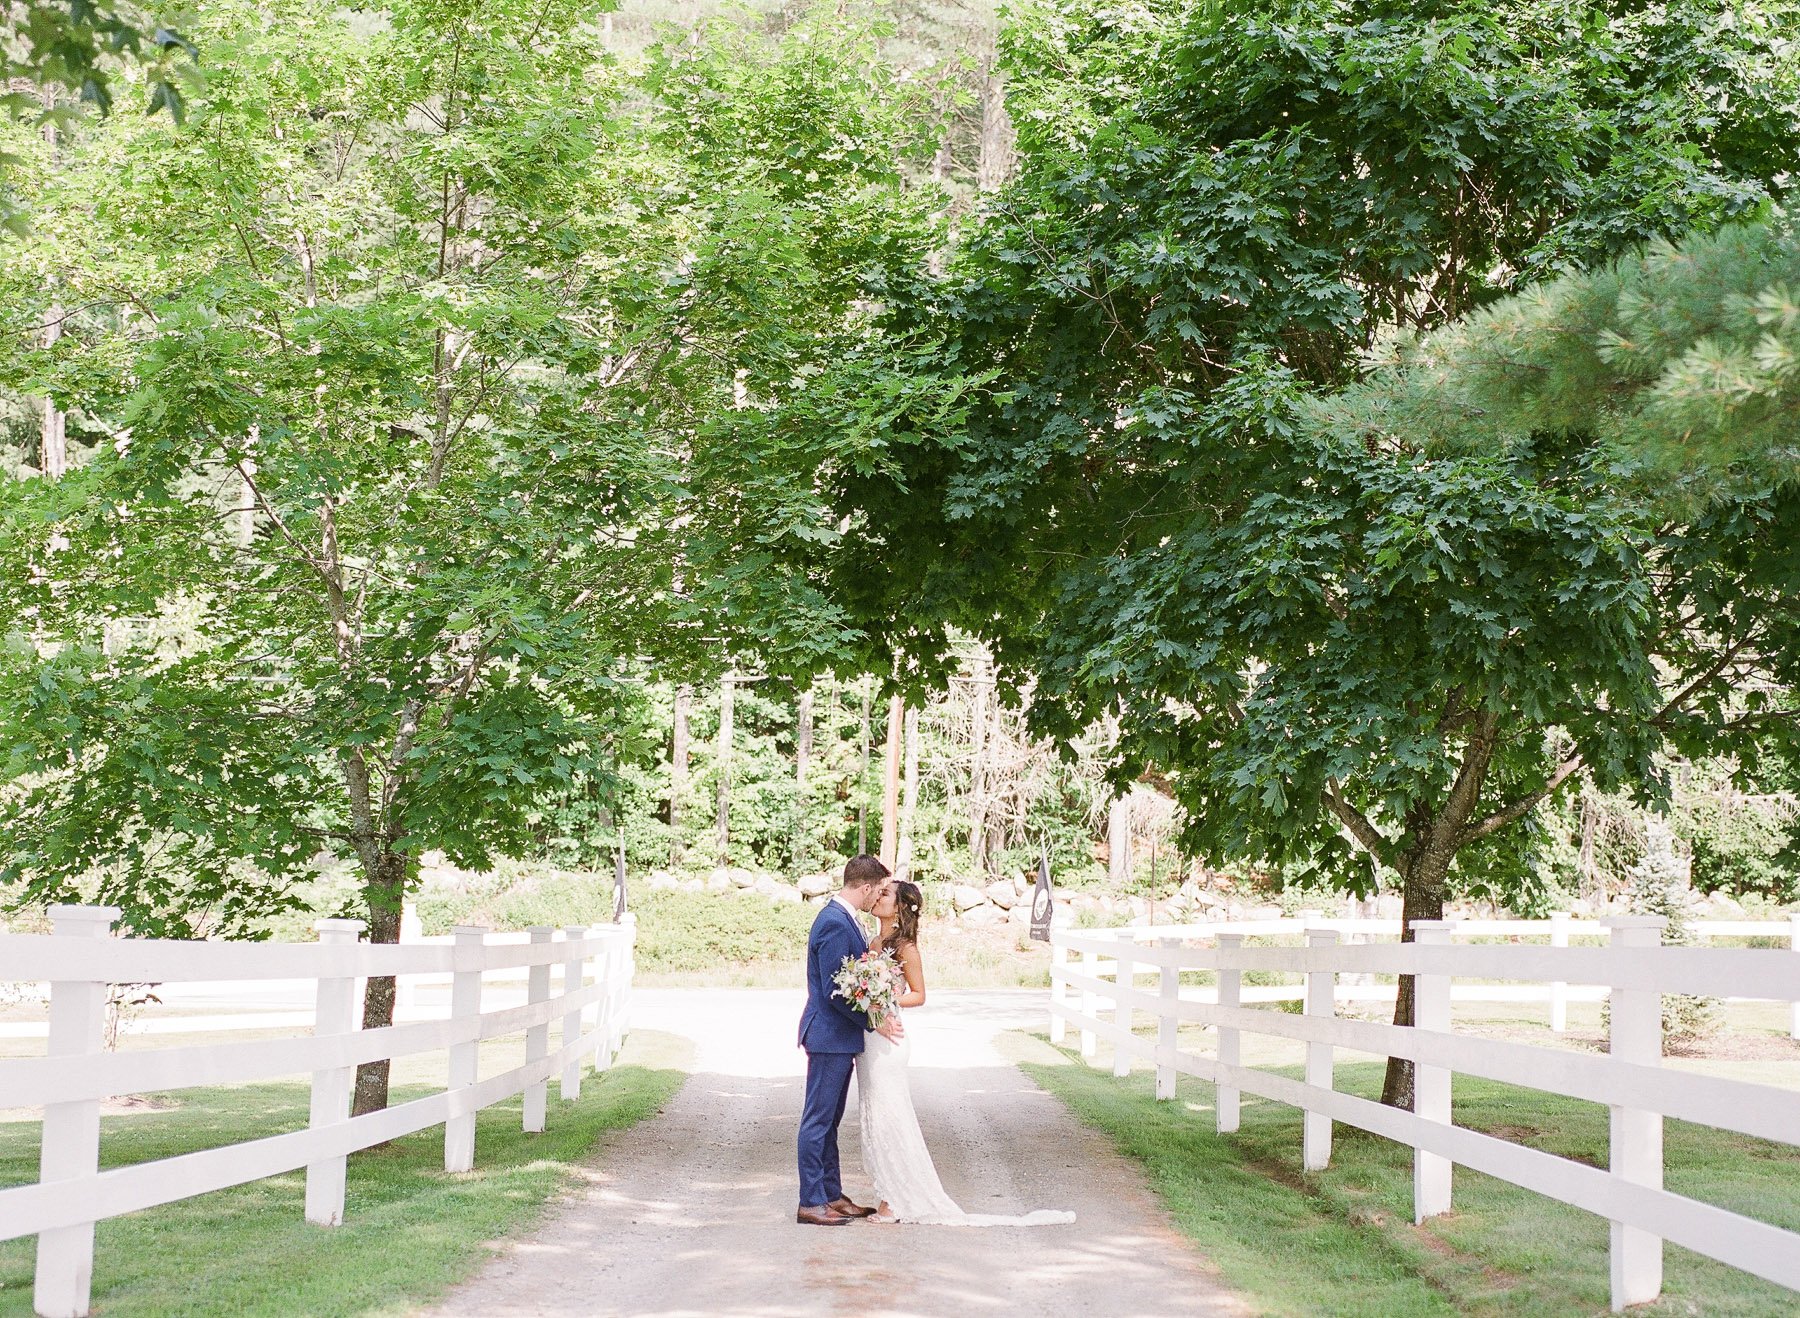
(1358,823)
(1508,814)
(1706,675)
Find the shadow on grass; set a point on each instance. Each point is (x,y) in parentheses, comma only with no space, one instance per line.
(1342,1241)
(410,1232)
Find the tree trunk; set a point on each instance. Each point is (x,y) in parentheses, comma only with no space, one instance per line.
(803,745)
(862,778)
(890,783)
(53,445)
(978,728)
(995,161)
(386,893)
(909,798)
(678,771)
(1421,898)
(1118,842)
(1588,865)
(722,822)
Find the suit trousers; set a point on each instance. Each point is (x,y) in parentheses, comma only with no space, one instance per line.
(827,1089)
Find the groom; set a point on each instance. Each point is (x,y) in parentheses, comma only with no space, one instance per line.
(831,1031)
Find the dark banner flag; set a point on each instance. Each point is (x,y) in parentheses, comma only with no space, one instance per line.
(1041,902)
(619,884)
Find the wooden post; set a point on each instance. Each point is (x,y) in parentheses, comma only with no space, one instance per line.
(1167,1022)
(1124,981)
(1090,1003)
(71,1131)
(1226,1098)
(406,987)
(571,1023)
(334,1012)
(1559,989)
(890,784)
(1059,992)
(603,1022)
(1637,1137)
(1794,943)
(1431,1084)
(537,1037)
(465,1058)
(627,973)
(1321,1004)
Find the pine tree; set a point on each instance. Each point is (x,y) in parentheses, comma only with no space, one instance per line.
(1682,359)
(1660,886)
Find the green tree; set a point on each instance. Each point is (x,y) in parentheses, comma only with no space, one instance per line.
(392,380)
(1349,652)
(70,45)
(1682,360)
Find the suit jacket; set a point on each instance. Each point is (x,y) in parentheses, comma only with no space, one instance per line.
(829,1024)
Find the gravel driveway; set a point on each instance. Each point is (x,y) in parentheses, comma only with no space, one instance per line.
(691,1213)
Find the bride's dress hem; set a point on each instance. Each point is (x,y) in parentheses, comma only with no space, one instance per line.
(894,1149)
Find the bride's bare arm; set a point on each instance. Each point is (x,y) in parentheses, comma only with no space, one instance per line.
(913,966)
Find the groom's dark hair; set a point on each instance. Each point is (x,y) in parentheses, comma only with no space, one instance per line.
(864,869)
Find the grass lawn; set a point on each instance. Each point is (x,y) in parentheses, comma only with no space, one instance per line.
(1342,1241)
(410,1230)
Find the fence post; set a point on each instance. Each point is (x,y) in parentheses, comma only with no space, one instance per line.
(1059,961)
(618,966)
(1794,943)
(603,1019)
(1226,1095)
(1090,1003)
(71,1131)
(1321,1002)
(406,987)
(1559,989)
(537,1037)
(1124,981)
(1637,1137)
(334,1012)
(465,1058)
(1167,1021)
(627,980)
(571,1026)
(1431,1084)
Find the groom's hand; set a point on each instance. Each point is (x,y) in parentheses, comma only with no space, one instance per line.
(891,1029)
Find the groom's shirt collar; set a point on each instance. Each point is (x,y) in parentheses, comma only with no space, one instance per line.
(839,899)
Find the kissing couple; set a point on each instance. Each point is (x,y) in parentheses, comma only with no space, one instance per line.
(841,1040)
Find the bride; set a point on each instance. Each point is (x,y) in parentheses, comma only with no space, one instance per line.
(894,1152)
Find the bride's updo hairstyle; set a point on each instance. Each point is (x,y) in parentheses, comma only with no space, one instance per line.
(909,905)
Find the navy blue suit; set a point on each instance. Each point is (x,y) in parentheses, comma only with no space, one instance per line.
(831,1031)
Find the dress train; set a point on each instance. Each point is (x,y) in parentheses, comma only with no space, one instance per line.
(894,1151)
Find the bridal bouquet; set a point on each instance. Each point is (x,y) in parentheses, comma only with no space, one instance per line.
(867,983)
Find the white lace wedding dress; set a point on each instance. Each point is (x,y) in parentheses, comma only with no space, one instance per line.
(894,1151)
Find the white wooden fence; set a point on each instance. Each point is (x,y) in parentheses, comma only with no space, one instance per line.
(69,1083)
(1634,967)
(1556,931)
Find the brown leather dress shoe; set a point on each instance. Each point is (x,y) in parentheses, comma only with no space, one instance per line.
(820,1215)
(848,1209)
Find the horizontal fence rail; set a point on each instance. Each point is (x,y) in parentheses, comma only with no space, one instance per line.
(591,967)
(1095,989)
(1526,986)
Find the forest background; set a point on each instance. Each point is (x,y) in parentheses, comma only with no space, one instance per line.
(460,439)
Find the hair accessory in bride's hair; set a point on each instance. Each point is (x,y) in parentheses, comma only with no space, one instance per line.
(909,905)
